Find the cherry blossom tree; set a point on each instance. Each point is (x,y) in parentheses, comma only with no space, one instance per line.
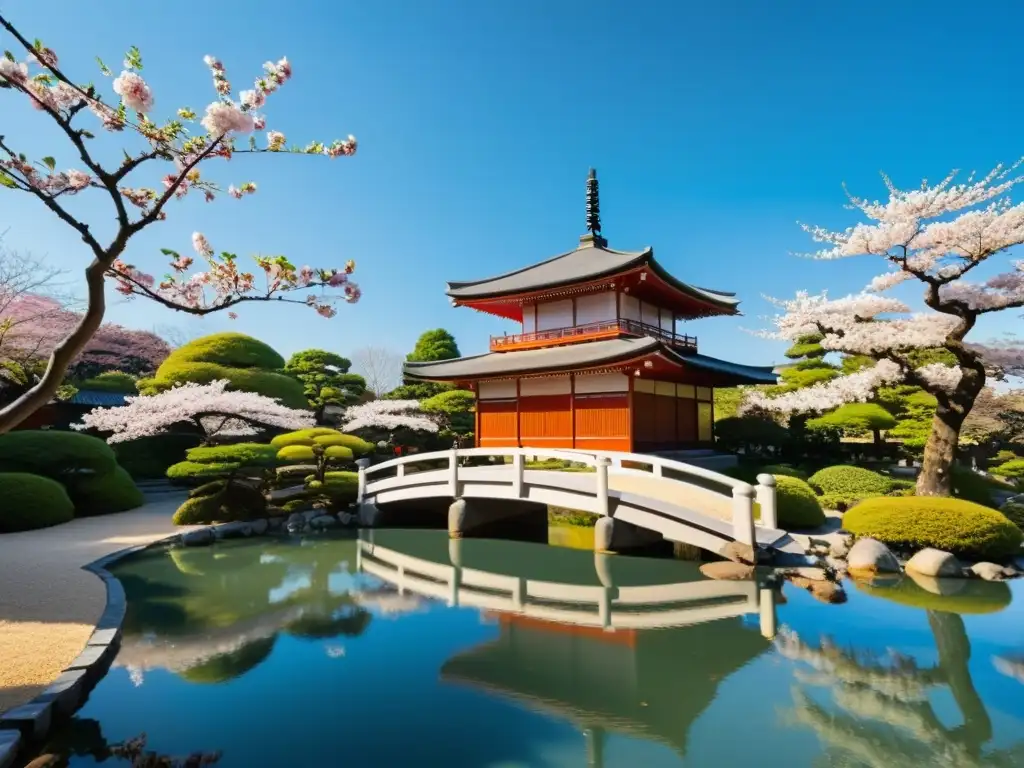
(935,235)
(217,412)
(186,145)
(388,416)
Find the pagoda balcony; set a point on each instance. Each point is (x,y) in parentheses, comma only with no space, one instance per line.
(607,329)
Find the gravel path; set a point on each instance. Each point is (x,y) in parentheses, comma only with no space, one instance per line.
(48,604)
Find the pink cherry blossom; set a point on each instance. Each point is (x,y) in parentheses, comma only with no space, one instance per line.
(201,244)
(387,415)
(133,91)
(78,180)
(14,71)
(224,118)
(275,141)
(44,57)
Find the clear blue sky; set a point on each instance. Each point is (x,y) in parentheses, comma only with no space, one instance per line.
(714,128)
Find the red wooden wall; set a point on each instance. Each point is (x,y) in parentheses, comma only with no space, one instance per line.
(498,423)
(545,421)
(602,422)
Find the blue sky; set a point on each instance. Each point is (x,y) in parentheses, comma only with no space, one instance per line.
(714,128)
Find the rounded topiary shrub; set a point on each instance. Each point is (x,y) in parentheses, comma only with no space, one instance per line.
(32,501)
(964,528)
(1014,512)
(851,481)
(341,486)
(796,504)
(247,363)
(784,469)
(104,494)
(220,501)
(193,470)
(247,454)
(356,445)
(324,436)
(55,454)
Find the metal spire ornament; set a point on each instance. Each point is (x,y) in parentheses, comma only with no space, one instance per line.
(593,205)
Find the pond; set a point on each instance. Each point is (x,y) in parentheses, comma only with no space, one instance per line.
(377,651)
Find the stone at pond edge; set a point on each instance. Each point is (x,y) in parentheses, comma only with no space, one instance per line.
(259,527)
(839,549)
(236,530)
(726,570)
(346,518)
(869,556)
(740,553)
(823,591)
(275,523)
(988,571)
(201,537)
(935,563)
(323,521)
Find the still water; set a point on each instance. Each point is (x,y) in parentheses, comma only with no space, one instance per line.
(336,651)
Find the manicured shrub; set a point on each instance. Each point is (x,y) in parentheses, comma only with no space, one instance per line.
(221,501)
(249,364)
(293,453)
(966,529)
(55,454)
(783,469)
(971,486)
(1002,457)
(32,501)
(842,501)
(105,494)
(302,436)
(853,481)
(111,381)
(357,445)
(796,504)
(1012,469)
(188,470)
(1014,512)
(249,454)
(342,487)
(326,437)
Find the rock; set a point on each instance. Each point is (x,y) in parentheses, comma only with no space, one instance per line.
(726,570)
(823,591)
(323,521)
(870,556)
(988,571)
(275,523)
(935,563)
(259,526)
(839,566)
(940,586)
(346,518)
(201,537)
(839,549)
(740,553)
(282,495)
(295,528)
(808,574)
(236,530)
(792,560)
(309,514)
(296,518)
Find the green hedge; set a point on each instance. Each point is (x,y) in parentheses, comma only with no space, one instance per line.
(31,501)
(854,481)
(55,454)
(110,381)
(796,503)
(972,486)
(1013,469)
(966,529)
(783,469)
(104,494)
(257,454)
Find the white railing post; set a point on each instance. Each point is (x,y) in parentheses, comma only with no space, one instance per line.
(602,464)
(453,472)
(400,470)
(517,475)
(743,514)
(361,492)
(768,618)
(656,469)
(766,500)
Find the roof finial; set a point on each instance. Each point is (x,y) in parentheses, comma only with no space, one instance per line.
(593,204)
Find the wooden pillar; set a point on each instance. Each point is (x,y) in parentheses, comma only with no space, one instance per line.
(476,417)
(519,426)
(572,409)
(632,416)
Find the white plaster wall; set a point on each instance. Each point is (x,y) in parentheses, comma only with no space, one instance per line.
(595,308)
(666,321)
(602,382)
(554,386)
(554,314)
(529,321)
(496,390)
(629,307)
(649,314)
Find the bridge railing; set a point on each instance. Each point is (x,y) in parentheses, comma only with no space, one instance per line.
(742,494)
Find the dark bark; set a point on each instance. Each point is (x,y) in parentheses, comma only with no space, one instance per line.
(940,451)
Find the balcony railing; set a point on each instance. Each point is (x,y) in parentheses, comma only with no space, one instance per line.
(607,329)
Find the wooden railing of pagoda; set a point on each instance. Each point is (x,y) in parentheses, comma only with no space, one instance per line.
(606,329)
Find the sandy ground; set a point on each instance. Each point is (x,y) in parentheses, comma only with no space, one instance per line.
(48,604)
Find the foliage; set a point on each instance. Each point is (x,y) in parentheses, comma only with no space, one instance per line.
(856,417)
(341,486)
(784,469)
(853,481)
(565,516)
(996,416)
(417,390)
(247,364)
(387,416)
(966,529)
(323,436)
(749,431)
(32,501)
(210,407)
(249,454)
(796,504)
(434,345)
(149,457)
(1004,456)
(1014,511)
(325,379)
(1013,469)
(453,409)
(972,486)
(111,381)
(221,501)
(187,470)
(104,494)
(57,455)
(294,453)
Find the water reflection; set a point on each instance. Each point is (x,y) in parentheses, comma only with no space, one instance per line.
(403,648)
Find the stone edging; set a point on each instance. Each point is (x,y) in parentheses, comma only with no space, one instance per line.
(31,723)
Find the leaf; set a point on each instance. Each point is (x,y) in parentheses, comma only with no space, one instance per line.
(87,134)
(9,56)
(104,69)
(7,181)
(38,44)
(50,163)
(169,252)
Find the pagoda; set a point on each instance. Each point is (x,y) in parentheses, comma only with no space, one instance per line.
(600,361)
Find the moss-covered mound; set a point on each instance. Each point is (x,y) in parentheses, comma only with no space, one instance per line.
(294,453)
(854,481)
(249,364)
(104,494)
(31,501)
(55,454)
(976,487)
(796,503)
(966,529)
(110,381)
(1013,469)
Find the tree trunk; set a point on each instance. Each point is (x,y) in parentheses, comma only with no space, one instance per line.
(939,452)
(43,392)
(877,434)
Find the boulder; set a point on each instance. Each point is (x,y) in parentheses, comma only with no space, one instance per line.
(935,563)
(839,549)
(941,586)
(346,518)
(236,530)
(837,565)
(870,556)
(807,574)
(323,521)
(201,537)
(726,570)
(296,518)
(740,553)
(988,571)
(275,523)
(295,528)
(259,527)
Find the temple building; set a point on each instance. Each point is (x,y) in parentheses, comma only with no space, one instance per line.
(600,361)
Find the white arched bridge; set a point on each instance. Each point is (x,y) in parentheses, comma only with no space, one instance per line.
(637,497)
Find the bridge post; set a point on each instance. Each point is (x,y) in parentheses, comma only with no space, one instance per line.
(767,613)
(363,464)
(453,472)
(766,500)
(603,462)
(743,515)
(517,475)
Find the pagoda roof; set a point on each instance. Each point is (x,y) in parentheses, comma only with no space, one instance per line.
(592,354)
(591,260)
